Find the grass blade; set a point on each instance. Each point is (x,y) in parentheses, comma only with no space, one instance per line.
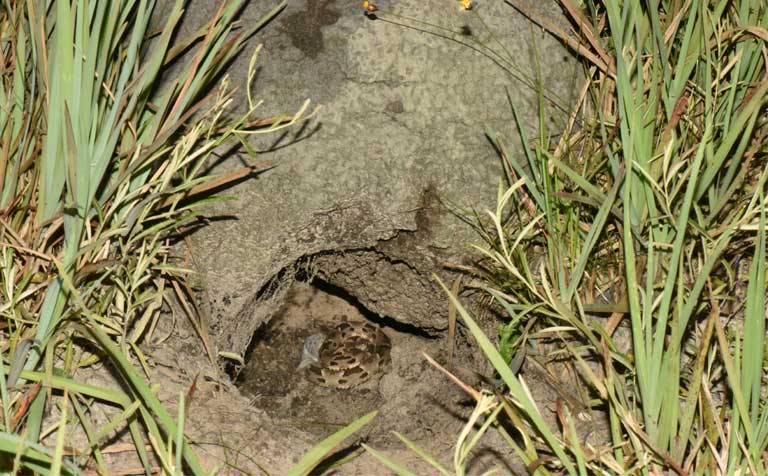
(400,470)
(316,455)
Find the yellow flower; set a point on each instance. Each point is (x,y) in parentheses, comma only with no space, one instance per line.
(466,4)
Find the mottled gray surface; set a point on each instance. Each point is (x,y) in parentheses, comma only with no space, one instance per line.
(361,199)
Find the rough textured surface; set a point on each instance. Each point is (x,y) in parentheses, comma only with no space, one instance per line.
(366,198)
(412,397)
(399,141)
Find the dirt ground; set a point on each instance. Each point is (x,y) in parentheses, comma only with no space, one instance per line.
(261,418)
(364,194)
(413,398)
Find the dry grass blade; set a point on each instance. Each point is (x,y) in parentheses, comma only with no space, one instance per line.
(467,389)
(184,297)
(601,59)
(93,191)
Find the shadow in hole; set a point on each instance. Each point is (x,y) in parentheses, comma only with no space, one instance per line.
(261,334)
(383,321)
(269,289)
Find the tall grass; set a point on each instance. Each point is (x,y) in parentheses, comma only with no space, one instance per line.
(101,170)
(646,218)
(663,186)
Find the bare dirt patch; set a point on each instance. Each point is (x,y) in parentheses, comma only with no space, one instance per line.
(412,397)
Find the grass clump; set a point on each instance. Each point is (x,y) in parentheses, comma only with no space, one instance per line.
(657,203)
(101,171)
(633,249)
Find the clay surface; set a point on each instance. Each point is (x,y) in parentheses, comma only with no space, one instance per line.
(361,211)
(367,194)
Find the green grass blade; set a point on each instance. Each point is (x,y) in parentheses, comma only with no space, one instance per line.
(512,382)
(93,445)
(399,469)
(423,454)
(33,453)
(316,455)
(179,437)
(141,387)
(595,230)
(752,373)
(723,151)
(61,434)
